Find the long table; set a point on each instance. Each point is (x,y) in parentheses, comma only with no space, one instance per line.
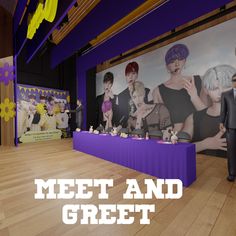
(165,161)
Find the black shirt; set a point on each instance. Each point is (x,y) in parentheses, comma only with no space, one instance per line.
(178,102)
(206,126)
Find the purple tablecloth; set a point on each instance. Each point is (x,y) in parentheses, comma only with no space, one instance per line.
(165,161)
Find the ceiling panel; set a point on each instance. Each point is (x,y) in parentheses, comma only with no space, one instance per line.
(75,15)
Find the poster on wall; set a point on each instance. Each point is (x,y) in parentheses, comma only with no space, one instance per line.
(41,113)
(177,86)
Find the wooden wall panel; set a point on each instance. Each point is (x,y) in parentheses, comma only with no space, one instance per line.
(6,91)
(7,128)
(6,39)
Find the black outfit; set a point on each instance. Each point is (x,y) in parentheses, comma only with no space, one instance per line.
(178,102)
(127,107)
(78,116)
(228,118)
(205,126)
(36,118)
(99,113)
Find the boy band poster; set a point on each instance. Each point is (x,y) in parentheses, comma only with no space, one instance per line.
(41,113)
(178,86)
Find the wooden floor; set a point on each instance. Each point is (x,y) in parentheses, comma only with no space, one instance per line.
(208,207)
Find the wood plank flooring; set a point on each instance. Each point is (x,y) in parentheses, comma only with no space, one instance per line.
(208,207)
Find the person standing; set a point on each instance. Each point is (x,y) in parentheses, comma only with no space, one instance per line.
(78,114)
(228,121)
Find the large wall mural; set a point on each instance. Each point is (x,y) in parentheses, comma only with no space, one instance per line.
(177,86)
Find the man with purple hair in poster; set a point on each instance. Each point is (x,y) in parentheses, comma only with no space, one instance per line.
(180,93)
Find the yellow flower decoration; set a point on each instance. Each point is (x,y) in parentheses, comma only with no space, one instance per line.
(7,109)
(68,98)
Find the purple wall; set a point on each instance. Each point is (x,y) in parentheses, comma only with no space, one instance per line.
(104,15)
(169,16)
(20,32)
(20,7)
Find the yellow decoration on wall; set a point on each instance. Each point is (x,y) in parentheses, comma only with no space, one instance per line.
(7,109)
(45,11)
(50,10)
(35,20)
